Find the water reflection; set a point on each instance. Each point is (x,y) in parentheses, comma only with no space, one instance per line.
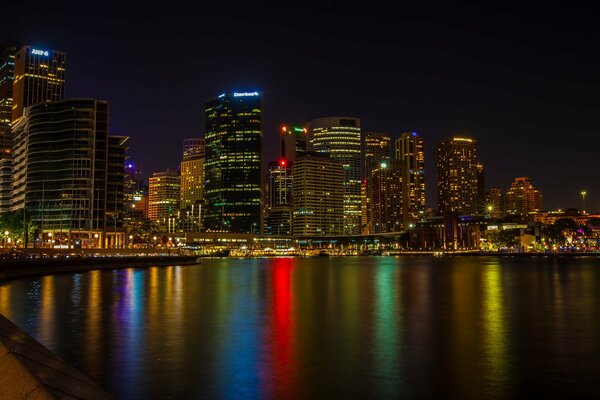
(325,328)
(494,327)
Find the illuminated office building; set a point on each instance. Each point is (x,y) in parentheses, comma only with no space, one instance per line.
(7,67)
(318,193)
(39,76)
(115,187)
(233,179)
(163,199)
(494,206)
(135,192)
(457,175)
(193,148)
(386,197)
(279,221)
(480,189)
(340,137)
(68,173)
(293,141)
(192,182)
(410,151)
(378,148)
(192,193)
(522,197)
(7,64)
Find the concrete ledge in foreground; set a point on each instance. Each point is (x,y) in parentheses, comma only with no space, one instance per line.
(28,370)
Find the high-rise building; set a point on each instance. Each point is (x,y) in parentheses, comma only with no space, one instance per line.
(480,189)
(192,193)
(39,76)
(136,193)
(193,148)
(494,207)
(293,141)
(115,186)
(279,221)
(386,197)
(522,197)
(67,172)
(233,178)
(378,148)
(457,176)
(410,151)
(7,68)
(318,193)
(340,137)
(163,199)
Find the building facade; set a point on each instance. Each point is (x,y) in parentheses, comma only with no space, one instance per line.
(7,76)
(410,151)
(318,193)
(67,172)
(293,141)
(340,137)
(193,148)
(386,197)
(39,76)
(233,177)
(378,148)
(457,176)
(280,209)
(136,193)
(163,199)
(522,197)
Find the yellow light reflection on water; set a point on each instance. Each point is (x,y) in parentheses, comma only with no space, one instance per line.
(5,301)
(494,325)
(94,317)
(47,322)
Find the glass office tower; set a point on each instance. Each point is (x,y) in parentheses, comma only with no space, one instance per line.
(233,178)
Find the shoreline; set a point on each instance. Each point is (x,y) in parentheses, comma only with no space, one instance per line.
(32,267)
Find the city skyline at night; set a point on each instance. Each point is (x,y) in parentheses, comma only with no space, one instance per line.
(528,98)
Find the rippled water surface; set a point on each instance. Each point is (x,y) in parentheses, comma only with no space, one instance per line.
(325,328)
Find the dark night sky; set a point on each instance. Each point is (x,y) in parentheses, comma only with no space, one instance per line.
(523,81)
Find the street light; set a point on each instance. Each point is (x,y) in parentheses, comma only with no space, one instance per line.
(583,194)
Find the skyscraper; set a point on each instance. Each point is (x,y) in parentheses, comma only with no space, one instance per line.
(68,188)
(7,68)
(163,199)
(233,177)
(136,193)
(318,193)
(386,197)
(410,151)
(280,197)
(494,207)
(378,148)
(457,176)
(293,141)
(340,137)
(522,197)
(193,148)
(39,76)
(480,189)
(192,172)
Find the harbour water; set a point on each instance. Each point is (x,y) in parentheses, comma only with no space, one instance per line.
(325,327)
